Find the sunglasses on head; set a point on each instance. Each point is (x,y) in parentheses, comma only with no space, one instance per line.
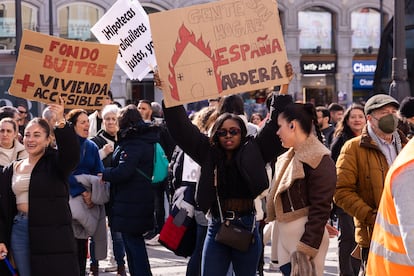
(223,132)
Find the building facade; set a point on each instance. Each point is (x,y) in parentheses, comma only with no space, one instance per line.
(332,44)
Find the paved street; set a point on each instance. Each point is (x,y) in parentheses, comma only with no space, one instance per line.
(163,262)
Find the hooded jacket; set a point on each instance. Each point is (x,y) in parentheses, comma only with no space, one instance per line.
(131,207)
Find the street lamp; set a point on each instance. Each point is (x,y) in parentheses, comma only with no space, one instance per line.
(50,18)
(18,15)
(399,88)
(381,9)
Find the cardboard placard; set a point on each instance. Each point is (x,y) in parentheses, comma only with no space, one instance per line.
(220,48)
(49,67)
(191,170)
(126,24)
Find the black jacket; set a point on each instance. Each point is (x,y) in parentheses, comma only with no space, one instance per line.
(52,243)
(132,199)
(101,140)
(338,142)
(250,160)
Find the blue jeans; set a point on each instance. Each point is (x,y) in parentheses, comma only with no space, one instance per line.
(217,257)
(118,247)
(94,262)
(137,256)
(20,244)
(194,264)
(346,244)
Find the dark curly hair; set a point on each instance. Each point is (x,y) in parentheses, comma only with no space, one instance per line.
(73,115)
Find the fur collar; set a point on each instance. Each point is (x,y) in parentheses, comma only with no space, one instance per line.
(289,166)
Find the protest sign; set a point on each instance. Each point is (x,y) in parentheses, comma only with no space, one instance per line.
(191,170)
(126,24)
(224,47)
(49,67)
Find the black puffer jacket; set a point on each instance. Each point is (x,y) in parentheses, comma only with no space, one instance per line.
(249,161)
(132,199)
(52,244)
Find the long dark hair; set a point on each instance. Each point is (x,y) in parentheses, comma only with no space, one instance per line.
(343,127)
(305,115)
(219,123)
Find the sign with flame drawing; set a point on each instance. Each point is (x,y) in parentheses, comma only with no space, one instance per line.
(220,48)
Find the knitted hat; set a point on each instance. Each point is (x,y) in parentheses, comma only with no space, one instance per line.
(378,101)
(407,107)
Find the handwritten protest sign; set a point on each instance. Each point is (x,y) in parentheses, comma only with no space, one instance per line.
(126,24)
(224,47)
(191,170)
(49,67)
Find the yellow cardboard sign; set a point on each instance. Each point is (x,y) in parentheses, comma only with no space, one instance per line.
(220,48)
(49,67)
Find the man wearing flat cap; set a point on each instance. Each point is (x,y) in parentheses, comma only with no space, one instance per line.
(363,164)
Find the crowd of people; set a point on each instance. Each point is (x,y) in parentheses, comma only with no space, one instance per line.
(72,187)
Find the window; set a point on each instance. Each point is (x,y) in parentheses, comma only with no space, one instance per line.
(76,19)
(315,25)
(8,22)
(365,25)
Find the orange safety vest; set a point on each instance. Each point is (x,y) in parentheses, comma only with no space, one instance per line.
(387,254)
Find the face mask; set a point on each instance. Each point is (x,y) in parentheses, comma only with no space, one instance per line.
(388,124)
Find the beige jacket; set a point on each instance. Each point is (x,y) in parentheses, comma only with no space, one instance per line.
(18,153)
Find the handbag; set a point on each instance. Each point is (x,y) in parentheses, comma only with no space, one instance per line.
(230,234)
(234,236)
(179,232)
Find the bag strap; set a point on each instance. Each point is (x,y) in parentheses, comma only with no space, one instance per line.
(218,199)
(143,174)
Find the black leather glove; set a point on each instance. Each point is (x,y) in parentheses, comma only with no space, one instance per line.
(279,102)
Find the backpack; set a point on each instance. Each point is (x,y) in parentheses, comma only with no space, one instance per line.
(160,165)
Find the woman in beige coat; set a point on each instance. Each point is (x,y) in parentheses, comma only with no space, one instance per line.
(10,148)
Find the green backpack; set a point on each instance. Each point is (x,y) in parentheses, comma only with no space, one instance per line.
(160,166)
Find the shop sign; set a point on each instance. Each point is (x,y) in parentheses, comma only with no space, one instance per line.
(318,67)
(364,67)
(363,82)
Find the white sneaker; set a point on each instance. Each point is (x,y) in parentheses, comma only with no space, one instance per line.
(154,241)
(110,268)
(274,266)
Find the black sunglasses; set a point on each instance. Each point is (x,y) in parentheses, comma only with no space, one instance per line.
(223,132)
